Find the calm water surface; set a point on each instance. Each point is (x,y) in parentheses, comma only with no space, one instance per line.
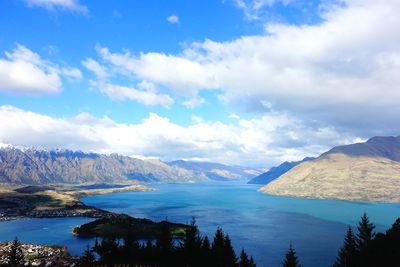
(264,225)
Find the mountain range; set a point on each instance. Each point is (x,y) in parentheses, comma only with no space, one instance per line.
(37,166)
(368,171)
(277,171)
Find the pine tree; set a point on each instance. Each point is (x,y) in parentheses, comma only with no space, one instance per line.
(15,256)
(245,261)
(229,253)
(222,251)
(191,246)
(365,232)
(205,244)
(107,249)
(291,259)
(347,254)
(87,258)
(164,244)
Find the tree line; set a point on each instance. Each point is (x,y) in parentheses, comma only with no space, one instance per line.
(193,250)
(365,248)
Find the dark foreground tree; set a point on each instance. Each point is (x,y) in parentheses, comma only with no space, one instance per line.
(222,251)
(191,245)
(348,252)
(244,260)
(365,232)
(15,256)
(192,251)
(291,259)
(87,258)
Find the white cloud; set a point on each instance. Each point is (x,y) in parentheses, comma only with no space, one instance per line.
(72,73)
(70,5)
(146,92)
(173,19)
(194,102)
(343,71)
(253,8)
(262,141)
(23,71)
(146,97)
(95,67)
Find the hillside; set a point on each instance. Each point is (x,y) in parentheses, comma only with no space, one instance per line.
(367,171)
(34,166)
(276,172)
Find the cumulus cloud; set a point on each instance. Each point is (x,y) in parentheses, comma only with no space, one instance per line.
(72,73)
(70,5)
(262,141)
(173,19)
(95,67)
(146,92)
(146,97)
(23,71)
(343,71)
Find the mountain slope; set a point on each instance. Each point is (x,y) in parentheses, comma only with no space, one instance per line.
(277,171)
(41,167)
(367,171)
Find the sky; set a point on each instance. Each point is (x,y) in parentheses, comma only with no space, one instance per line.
(242,82)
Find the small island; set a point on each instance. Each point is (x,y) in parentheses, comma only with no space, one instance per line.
(122,225)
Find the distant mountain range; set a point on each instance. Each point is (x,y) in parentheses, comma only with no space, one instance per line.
(37,166)
(216,171)
(277,171)
(367,171)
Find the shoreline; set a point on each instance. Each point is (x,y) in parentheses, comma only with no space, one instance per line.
(58,202)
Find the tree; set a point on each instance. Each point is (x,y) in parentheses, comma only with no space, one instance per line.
(222,251)
(245,261)
(191,245)
(365,233)
(348,252)
(291,259)
(229,253)
(164,244)
(15,256)
(107,250)
(87,258)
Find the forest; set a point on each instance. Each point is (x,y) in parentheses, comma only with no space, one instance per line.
(361,248)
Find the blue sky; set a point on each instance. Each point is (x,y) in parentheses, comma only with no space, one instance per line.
(249,82)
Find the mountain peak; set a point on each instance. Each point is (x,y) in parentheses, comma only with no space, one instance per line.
(378,146)
(368,171)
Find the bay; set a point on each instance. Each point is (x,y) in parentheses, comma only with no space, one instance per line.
(262,224)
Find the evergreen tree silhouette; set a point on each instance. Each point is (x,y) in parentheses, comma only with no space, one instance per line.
(131,250)
(229,252)
(365,232)
(205,245)
(164,244)
(291,259)
(191,245)
(347,255)
(205,252)
(107,250)
(15,256)
(245,261)
(87,259)
(222,251)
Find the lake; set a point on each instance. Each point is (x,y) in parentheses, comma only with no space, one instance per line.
(262,224)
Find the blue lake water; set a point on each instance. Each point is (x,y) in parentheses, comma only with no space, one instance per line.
(264,225)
